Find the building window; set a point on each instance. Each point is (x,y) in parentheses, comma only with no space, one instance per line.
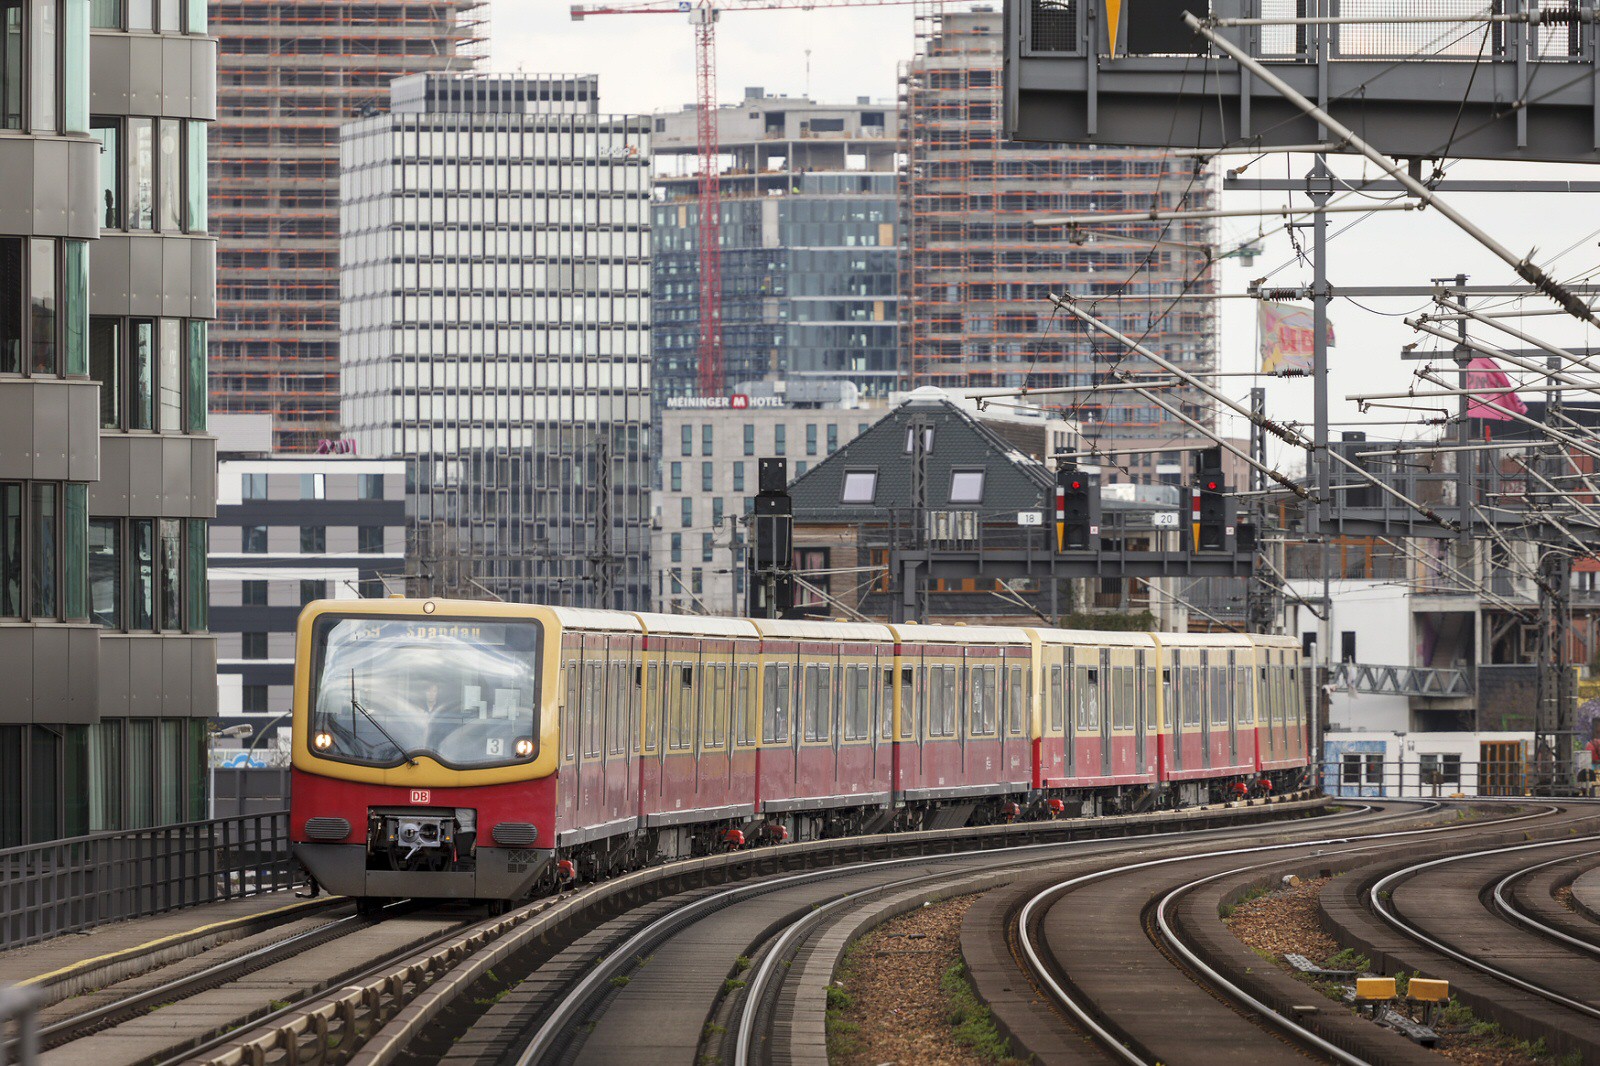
(313,590)
(253,645)
(141,171)
(147,367)
(109,133)
(801,467)
(369,540)
(1439,769)
(833,438)
(177,16)
(911,439)
(253,593)
(706,547)
(253,487)
(708,478)
(370,486)
(313,540)
(688,511)
(749,439)
(313,486)
(141,574)
(738,477)
(253,539)
(966,486)
(716,511)
(171,559)
(676,482)
(811,438)
(677,547)
(780,439)
(860,486)
(705,439)
(105,572)
(254,699)
(687,439)
(697,583)
(11,53)
(44,306)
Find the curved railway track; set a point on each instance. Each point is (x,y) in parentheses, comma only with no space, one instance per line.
(1132,969)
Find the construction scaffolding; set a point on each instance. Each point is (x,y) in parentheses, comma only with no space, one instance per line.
(977,274)
(289,73)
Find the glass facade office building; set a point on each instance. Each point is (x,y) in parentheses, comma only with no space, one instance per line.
(495,292)
(810,244)
(107,471)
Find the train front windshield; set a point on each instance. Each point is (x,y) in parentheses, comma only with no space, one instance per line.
(463,692)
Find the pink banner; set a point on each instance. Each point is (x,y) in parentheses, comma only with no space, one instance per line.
(1492,388)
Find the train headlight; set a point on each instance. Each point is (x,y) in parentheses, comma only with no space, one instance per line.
(322,741)
(524,747)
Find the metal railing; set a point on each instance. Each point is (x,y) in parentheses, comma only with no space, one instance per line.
(66,885)
(1372,775)
(1403,680)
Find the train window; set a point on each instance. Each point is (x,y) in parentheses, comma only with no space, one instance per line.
(886,706)
(981,720)
(809,700)
(616,695)
(942,702)
(741,702)
(680,707)
(716,731)
(1219,695)
(569,712)
(908,703)
(1080,712)
(652,707)
(1189,680)
(775,725)
(858,708)
(1125,711)
(1241,693)
(594,691)
(1058,700)
(1016,703)
(1149,697)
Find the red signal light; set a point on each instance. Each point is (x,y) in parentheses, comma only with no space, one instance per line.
(1211,485)
(1077,484)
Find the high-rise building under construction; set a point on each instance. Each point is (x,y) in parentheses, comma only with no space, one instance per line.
(978,273)
(289,73)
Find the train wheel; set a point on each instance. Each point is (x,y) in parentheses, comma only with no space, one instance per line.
(370,906)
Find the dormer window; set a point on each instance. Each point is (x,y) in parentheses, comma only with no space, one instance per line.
(966,486)
(860,486)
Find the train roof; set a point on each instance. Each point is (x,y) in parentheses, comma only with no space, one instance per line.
(912,633)
(1118,638)
(805,629)
(1202,640)
(1274,640)
(589,618)
(697,625)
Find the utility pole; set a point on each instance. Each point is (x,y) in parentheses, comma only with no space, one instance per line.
(1555,719)
(913,590)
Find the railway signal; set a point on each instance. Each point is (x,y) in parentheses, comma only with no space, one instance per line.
(1210,528)
(1077,508)
(771,581)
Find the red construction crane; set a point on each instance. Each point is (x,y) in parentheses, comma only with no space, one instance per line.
(703,16)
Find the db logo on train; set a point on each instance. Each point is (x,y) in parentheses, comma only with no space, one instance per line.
(420,795)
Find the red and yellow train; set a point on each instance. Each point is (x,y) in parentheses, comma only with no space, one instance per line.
(478,750)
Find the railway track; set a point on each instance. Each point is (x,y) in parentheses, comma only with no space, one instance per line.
(1127,950)
(427,1004)
(164,1014)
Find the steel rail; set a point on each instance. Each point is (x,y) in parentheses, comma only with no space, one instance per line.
(1381,908)
(1510,909)
(1109,1040)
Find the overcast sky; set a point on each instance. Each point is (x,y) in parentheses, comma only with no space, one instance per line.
(646,63)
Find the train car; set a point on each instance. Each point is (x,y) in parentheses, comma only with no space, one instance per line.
(427,745)
(697,753)
(1281,704)
(965,721)
(1101,725)
(825,763)
(1203,719)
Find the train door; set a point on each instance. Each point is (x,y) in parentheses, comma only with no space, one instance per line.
(1232,699)
(1140,712)
(1106,708)
(1057,720)
(1178,691)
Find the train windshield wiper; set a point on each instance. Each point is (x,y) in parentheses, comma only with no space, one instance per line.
(355,705)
